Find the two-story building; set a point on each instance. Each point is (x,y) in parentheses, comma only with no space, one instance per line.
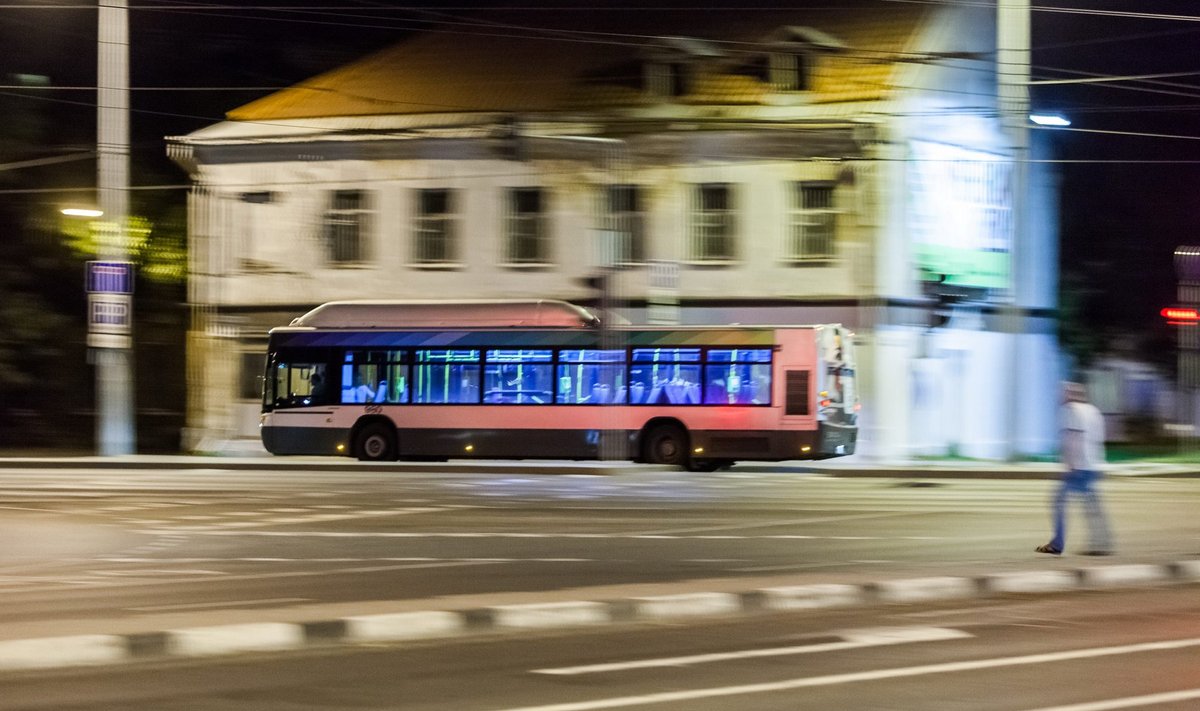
(848,162)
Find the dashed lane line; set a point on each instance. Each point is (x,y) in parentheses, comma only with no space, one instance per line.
(1168,697)
(862,676)
(851,639)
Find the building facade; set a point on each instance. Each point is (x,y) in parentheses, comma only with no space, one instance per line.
(797,167)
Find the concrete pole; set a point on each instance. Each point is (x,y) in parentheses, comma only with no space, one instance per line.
(1012,76)
(114,383)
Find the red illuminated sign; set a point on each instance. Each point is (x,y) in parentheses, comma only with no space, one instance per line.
(1180,315)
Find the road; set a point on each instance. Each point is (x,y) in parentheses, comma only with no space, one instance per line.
(1084,652)
(120,544)
(139,551)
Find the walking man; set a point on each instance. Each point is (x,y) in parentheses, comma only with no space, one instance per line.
(1082,451)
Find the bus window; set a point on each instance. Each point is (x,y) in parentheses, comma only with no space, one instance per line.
(665,376)
(375,376)
(522,377)
(738,376)
(591,377)
(300,384)
(446,376)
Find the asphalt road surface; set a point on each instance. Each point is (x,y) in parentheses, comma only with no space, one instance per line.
(1070,652)
(123,551)
(116,546)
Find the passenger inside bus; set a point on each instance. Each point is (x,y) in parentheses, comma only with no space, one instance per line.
(318,393)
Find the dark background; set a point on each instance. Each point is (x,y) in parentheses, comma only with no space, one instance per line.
(1129,166)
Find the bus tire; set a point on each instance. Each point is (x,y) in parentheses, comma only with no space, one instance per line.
(375,442)
(666,444)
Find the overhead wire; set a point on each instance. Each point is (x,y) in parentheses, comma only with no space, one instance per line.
(444,17)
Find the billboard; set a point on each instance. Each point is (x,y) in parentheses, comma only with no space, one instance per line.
(960,214)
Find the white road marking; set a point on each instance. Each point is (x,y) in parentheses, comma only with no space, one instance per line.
(854,677)
(222,530)
(1168,697)
(125,581)
(159,571)
(386,559)
(854,639)
(787,522)
(269,520)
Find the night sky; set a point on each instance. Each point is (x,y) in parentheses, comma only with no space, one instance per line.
(1127,200)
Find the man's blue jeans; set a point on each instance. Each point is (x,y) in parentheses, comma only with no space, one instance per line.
(1082,482)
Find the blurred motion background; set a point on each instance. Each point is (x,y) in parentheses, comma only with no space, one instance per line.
(863,162)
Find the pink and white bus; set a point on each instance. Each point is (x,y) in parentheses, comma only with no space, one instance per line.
(386,380)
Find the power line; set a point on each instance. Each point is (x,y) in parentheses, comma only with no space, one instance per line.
(1101,78)
(1061,10)
(144,88)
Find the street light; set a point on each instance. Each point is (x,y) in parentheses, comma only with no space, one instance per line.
(82,212)
(1050,120)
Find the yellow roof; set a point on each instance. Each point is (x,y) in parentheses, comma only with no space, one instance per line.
(517,69)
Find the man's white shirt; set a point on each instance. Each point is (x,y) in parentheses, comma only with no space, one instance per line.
(1082,436)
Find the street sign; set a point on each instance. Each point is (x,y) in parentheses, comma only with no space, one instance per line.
(109,278)
(110,320)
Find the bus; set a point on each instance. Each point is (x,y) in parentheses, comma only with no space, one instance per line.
(513,379)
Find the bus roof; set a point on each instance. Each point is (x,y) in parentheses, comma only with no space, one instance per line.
(447,314)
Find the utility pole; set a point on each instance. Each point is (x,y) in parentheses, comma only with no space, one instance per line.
(1012,74)
(112,304)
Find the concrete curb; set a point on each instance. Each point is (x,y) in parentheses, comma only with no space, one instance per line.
(220,640)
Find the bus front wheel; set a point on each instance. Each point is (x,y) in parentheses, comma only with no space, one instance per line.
(375,443)
(667,444)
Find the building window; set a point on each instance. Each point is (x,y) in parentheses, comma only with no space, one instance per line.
(345,227)
(250,382)
(712,223)
(525,227)
(625,220)
(668,78)
(789,71)
(812,234)
(435,239)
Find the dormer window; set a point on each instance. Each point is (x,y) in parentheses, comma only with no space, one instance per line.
(790,71)
(671,64)
(668,78)
(792,58)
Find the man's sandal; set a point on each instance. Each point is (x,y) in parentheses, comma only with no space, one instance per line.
(1047,548)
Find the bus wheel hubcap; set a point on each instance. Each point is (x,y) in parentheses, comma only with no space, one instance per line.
(374,446)
(668,449)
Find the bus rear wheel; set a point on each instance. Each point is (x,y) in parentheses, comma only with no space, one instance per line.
(375,443)
(667,444)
